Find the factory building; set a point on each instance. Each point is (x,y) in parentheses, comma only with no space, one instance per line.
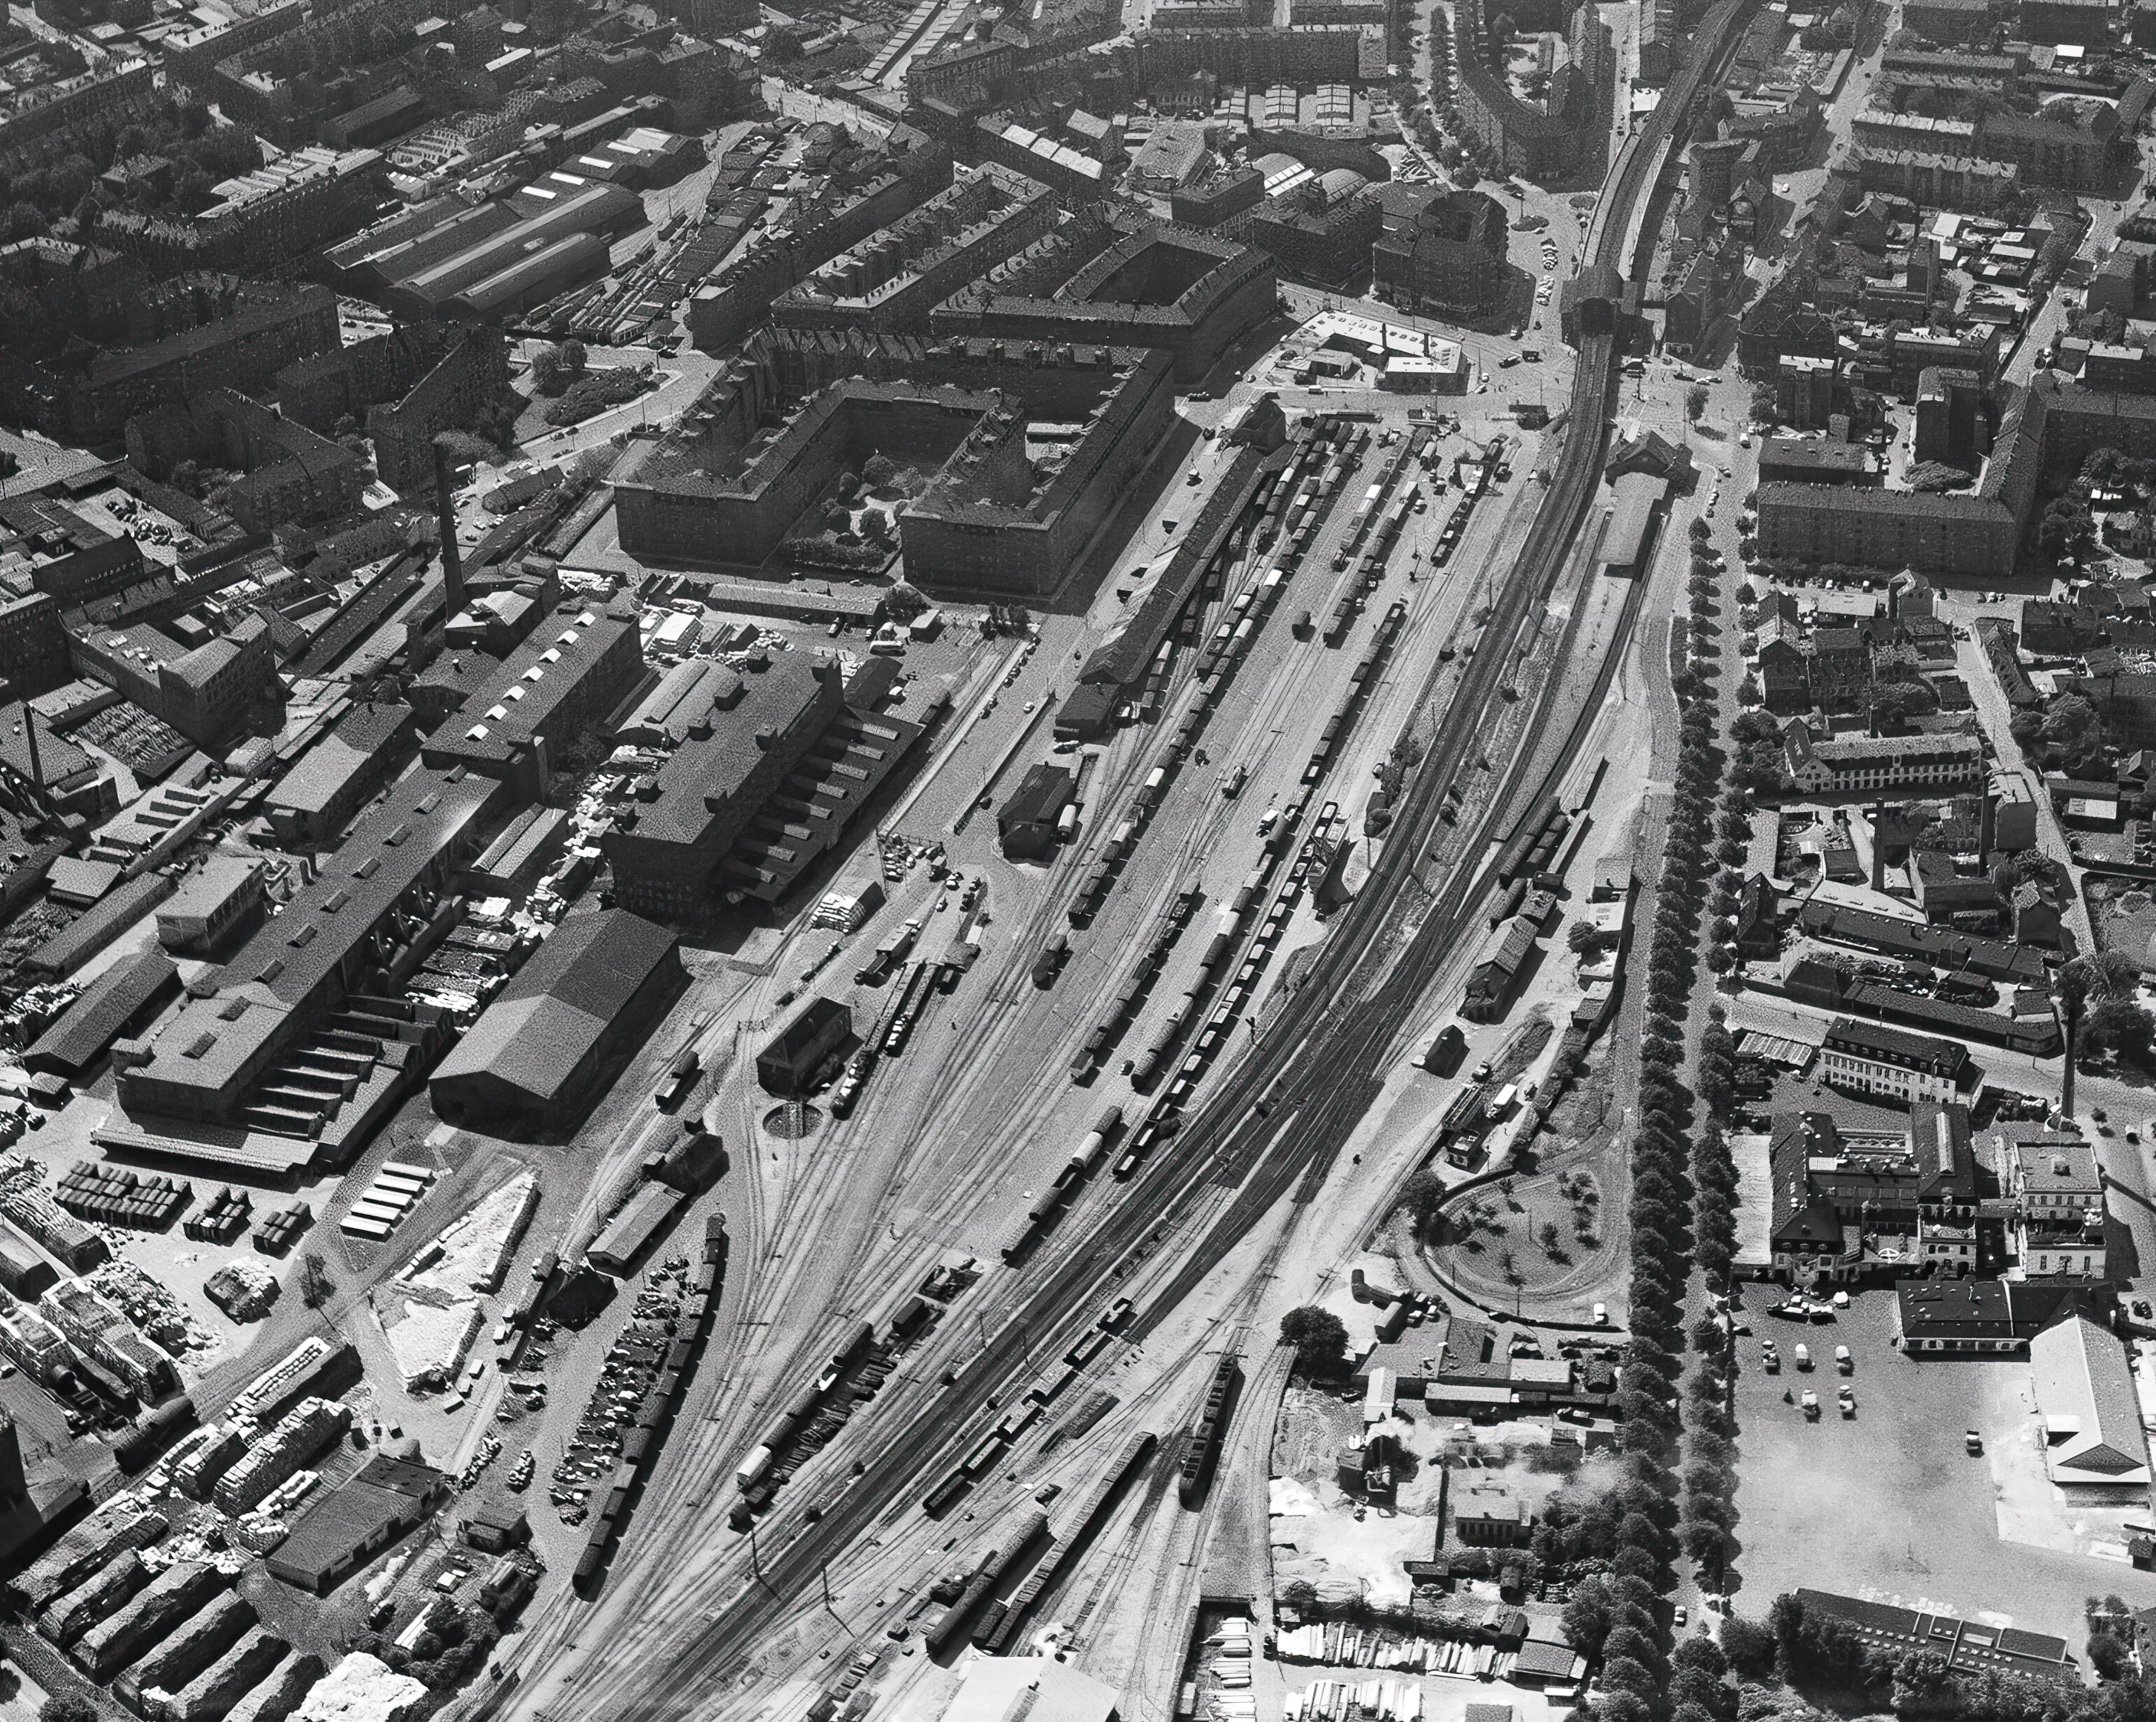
(331,781)
(765,777)
(519,722)
(537,1054)
(296,1044)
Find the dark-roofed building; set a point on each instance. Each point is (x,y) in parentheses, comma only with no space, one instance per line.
(1950,952)
(1817,461)
(1832,1188)
(340,1532)
(120,996)
(1968,1647)
(1025,823)
(1448,254)
(1987,1317)
(1497,975)
(1890,1063)
(1191,294)
(534,1055)
(769,771)
(315,800)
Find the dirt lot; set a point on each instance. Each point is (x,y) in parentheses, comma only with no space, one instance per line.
(1316,1535)
(1889,1505)
(2123,914)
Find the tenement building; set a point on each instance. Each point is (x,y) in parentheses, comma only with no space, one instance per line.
(1192,295)
(1451,258)
(1564,138)
(895,277)
(1027,450)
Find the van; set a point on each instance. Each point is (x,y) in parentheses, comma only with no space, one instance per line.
(1803,1357)
(1843,1361)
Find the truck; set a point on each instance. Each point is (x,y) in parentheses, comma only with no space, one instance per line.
(1502,1101)
(1232,779)
(888,955)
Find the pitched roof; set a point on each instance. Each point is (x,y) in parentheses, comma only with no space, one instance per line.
(553,1014)
(2085,1396)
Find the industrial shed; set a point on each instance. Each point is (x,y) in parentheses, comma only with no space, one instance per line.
(344,1529)
(78,1038)
(536,1054)
(1634,498)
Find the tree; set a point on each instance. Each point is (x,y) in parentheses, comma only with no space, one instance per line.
(1423,1196)
(68,1707)
(1584,938)
(2100,977)
(1749,1647)
(1319,1337)
(1622,1674)
(1700,1655)
(1587,1616)
(1696,402)
(546,370)
(316,1288)
(572,355)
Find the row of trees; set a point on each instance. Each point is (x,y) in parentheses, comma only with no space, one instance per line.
(1710,1472)
(1615,1615)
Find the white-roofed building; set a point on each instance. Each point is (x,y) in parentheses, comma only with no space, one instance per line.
(2086,1406)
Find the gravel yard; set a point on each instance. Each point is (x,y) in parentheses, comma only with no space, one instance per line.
(1890,1506)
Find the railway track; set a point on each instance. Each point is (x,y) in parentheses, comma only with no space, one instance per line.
(1280,1117)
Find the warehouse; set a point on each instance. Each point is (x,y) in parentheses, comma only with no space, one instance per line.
(344,1529)
(117,997)
(535,1055)
(650,1211)
(553,230)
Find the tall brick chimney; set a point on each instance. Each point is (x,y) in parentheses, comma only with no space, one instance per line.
(1879,846)
(445,513)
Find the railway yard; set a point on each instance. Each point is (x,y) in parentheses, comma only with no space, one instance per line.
(1101,986)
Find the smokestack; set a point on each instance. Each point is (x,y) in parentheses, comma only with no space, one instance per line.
(1879,846)
(30,736)
(452,572)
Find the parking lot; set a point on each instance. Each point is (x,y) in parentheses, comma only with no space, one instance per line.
(1891,1507)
